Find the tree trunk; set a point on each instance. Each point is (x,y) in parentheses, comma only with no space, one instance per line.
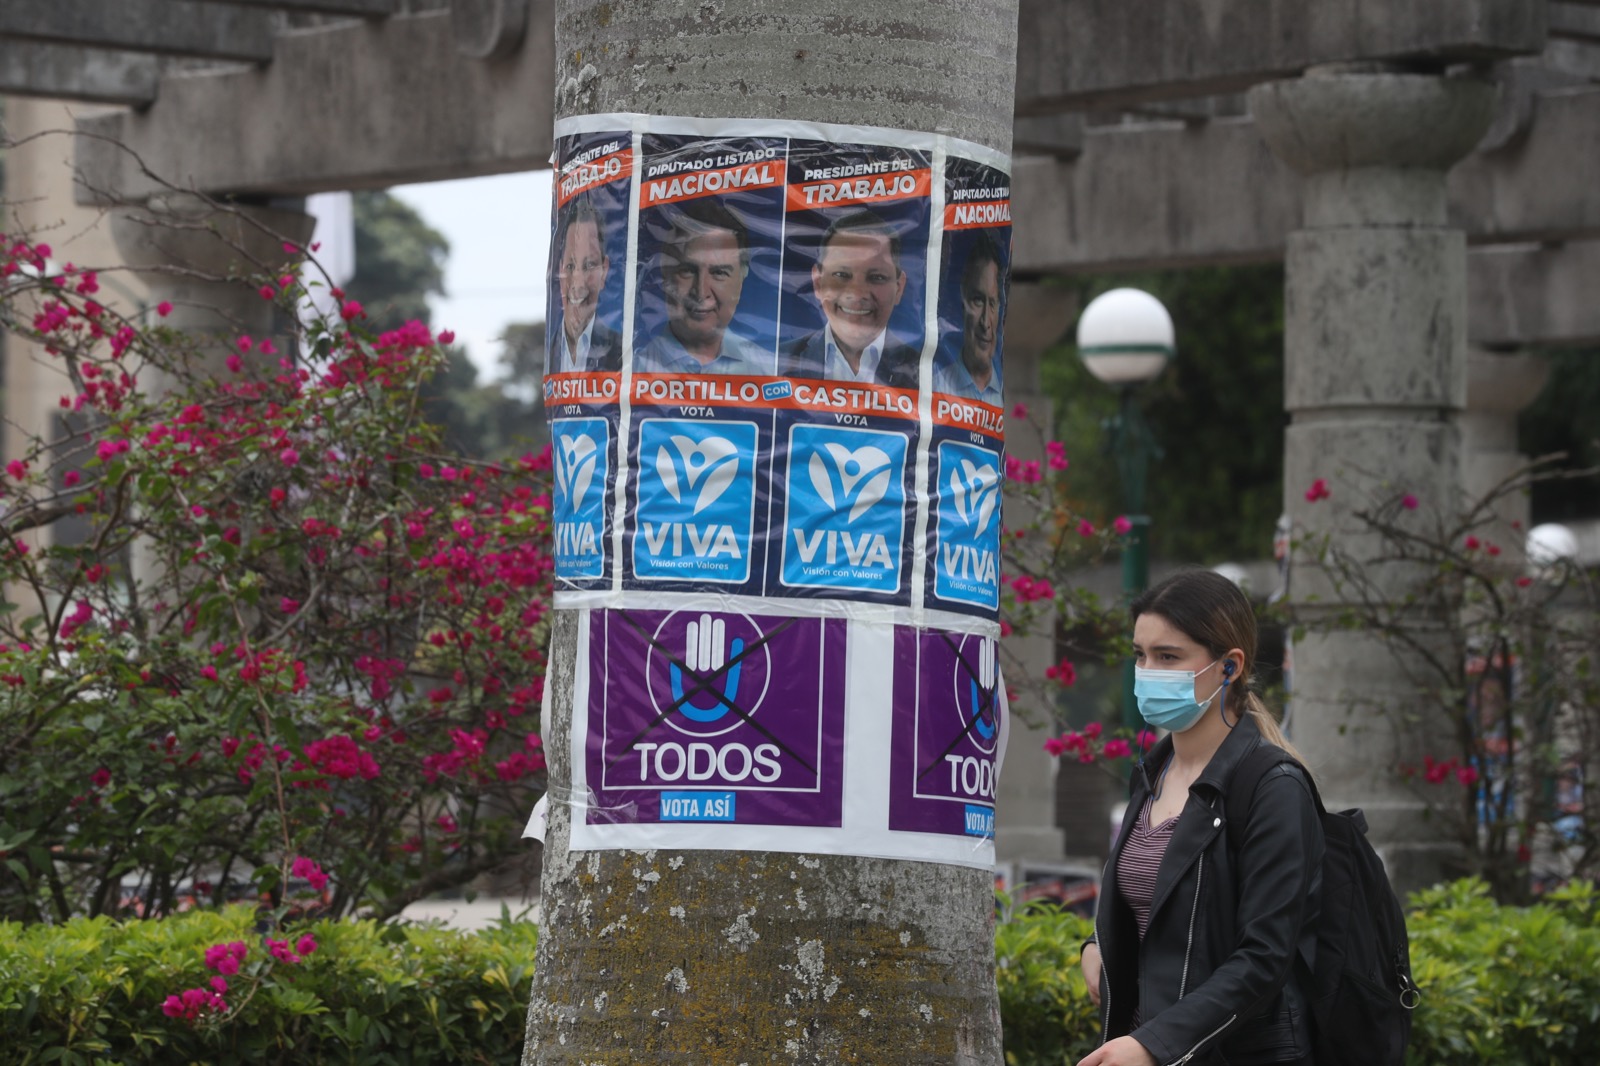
(756,957)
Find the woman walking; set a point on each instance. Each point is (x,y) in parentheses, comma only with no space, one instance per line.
(1200,923)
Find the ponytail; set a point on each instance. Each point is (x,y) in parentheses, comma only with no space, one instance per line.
(1268,725)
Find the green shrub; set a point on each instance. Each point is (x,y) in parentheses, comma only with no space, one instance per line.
(91,991)
(1505,985)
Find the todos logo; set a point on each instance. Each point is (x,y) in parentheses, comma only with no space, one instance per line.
(581,448)
(967,554)
(845,513)
(696,501)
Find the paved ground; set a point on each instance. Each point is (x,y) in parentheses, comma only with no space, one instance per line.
(459,914)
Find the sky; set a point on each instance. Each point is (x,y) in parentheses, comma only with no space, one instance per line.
(499,233)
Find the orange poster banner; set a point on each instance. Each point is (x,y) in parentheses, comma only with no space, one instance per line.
(697,183)
(864,189)
(980,214)
(601,171)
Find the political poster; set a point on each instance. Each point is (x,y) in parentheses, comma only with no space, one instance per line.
(967,445)
(948,731)
(583,347)
(774,384)
(705,718)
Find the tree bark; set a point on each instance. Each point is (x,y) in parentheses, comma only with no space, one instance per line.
(761,957)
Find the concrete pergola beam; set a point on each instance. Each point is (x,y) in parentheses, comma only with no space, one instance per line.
(361,8)
(160,27)
(1074,54)
(306,123)
(1168,195)
(1534,295)
(66,73)
(1576,21)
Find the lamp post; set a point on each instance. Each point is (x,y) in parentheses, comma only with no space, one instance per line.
(1125,338)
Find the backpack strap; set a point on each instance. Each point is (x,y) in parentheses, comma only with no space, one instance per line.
(1247,776)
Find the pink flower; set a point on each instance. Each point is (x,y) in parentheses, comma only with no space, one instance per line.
(1492,549)
(1318,491)
(1020,411)
(1409,502)
(447,336)
(289,457)
(1085,528)
(1524,581)
(17,469)
(351,310)
(267,292)
(71,478)
(1122,525)
(235,364)
(288,605)
(219,984)
(1055,745)
(1146,739)
(100,778)
(1063,673)
(1467,775)
(1471,543)
(208,672)
(1117,748)
(1092,730)
(164,308)
(306,945)
(311,871)
(1057,453)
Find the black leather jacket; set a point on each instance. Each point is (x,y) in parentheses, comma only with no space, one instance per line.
(1214,978)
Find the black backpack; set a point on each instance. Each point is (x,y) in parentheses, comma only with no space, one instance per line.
(1359,983)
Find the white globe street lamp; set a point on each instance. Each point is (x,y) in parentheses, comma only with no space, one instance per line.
(1125,337)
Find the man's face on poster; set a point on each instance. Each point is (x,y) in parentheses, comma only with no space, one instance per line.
(858,283)
(701,280)
(980,327)
(582,277)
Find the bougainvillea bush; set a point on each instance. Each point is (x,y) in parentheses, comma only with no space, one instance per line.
(260,638)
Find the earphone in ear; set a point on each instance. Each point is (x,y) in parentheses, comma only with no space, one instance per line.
(1227,668)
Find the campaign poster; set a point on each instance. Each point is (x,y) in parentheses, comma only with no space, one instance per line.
(967,445)
(709,253)
(948,733)
(854,280)
(703,718)
(583,348)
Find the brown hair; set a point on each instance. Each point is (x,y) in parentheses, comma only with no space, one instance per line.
(1211,611)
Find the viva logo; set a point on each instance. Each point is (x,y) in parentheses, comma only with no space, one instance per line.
(845,515)
(851,481)
(580,490)
(695,500)
(968,552)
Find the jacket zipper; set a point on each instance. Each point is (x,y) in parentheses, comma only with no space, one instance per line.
(1105,982)
(1194,908)
(1190,1053)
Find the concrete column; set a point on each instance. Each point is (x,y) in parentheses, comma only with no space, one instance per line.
(39,202)
(1025,811)
(1499,387)
(1375,380)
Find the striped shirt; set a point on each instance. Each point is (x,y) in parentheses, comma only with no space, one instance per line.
(1137,868)
(1140,861)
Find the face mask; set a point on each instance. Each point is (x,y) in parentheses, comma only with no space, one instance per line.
(1166,697)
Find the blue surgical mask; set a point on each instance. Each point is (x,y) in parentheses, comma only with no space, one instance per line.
(1166,697)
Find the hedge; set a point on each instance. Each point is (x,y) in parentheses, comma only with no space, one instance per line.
(1503,985)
